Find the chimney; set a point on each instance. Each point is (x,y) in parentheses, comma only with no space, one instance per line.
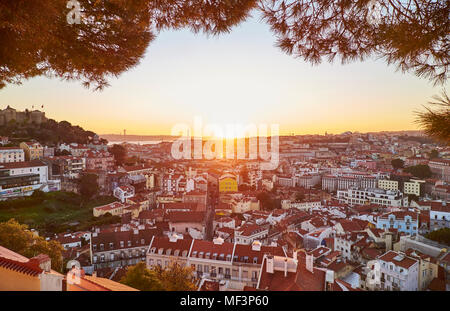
(329,279)
(173,237)
(295,256)
(310,263)
(269,264)
(285,267)
(43,261)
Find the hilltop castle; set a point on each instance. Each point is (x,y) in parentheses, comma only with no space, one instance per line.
(8,114)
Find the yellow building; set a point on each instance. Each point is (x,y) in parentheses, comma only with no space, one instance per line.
(387,184)
(32,150)
(228,183)
(18,273)
(115,209)
(412,187)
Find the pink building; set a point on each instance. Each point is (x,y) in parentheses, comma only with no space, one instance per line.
(99,160)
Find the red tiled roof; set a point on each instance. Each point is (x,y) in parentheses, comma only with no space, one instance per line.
(406,262)
(225,248)
(192,217)
(31,267)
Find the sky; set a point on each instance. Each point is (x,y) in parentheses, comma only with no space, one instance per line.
(236,78)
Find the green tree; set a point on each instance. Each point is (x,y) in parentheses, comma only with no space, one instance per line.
(440,236)
(89,185)
(119,152)
(141,278)
(397,163)
(299,197)
(419,171)
(413,197)
(18,238)
(175,277)
(434,153)
(436,123)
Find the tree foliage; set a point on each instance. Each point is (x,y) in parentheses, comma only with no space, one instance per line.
(436,123)
(19,239)
(440,236)
(89,185)
(267,202)
(50,132)
(175,277)
(171,278)
(119,152)
(397,163)
(113,35)
(419,171)
(141,278)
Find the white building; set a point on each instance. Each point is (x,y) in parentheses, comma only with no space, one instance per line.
(11,154)
(123,193)
(356,196)
(439,217)
(398,271)
(22,178)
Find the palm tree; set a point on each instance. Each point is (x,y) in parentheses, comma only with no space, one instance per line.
(436,123)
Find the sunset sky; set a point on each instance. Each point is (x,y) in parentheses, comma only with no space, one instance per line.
(239,77)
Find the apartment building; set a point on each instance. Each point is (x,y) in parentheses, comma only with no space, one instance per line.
(333,183)
(111,249)
(357,196)
(99,160)
(248,233)
(217,260)
(22,178)
(32,150)
(398,272)
(440,169)
(406,222)
(65,167)
(387,184)
(414,186)
(439,216)
(11,154)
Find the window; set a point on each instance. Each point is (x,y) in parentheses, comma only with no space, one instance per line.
(254,275)
(102,247)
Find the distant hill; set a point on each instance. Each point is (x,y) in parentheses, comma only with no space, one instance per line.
(49,133)
(116,137)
